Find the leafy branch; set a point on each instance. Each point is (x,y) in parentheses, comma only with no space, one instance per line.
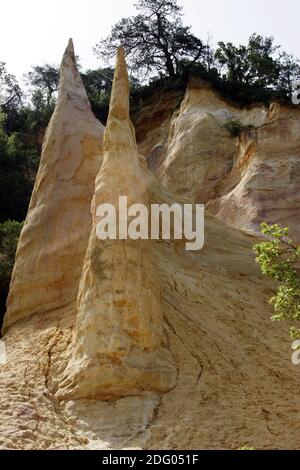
(279,259)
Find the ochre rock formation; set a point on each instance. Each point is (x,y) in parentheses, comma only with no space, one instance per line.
(57,227)
(119,329)
(219,373)
(264,183)
(242,180)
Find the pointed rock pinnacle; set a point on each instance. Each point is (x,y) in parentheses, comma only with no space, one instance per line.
(71,84)
(119,101)
(118,349)
(55,235)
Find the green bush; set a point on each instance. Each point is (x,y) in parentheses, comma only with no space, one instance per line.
(9,236)
(18,166)
(236,127)
(279,259)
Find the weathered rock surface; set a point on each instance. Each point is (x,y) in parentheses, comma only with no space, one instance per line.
(119,330)
(242,180)
(56,231)
(200,149)
(264,183)
(234,382)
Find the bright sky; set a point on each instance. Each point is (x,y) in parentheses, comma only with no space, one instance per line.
(36,31)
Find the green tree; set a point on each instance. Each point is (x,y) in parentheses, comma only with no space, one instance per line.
(249,73)
(98,84)
(279,259)
(40,111)
(155,40)
(43,82)
(10,91)
(9,235)
(289,74)
(44,78)
(10,98)
(253,64)
(98,81)
(259,71)
(264,66)
(18,164)
(234,60)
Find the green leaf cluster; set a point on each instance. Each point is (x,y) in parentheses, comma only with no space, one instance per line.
(279,259)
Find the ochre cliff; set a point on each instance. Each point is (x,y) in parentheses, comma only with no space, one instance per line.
(242,180)
(163,348)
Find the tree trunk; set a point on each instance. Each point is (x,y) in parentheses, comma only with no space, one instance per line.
(170,67)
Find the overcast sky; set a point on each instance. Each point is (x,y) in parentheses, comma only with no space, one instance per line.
(36,31)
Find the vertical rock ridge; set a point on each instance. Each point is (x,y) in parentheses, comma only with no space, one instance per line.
(70,83)
(119,100)
(119,332)
(56,230)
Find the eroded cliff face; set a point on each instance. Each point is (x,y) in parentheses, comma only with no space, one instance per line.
(264,181)
(164,348)
(242,180)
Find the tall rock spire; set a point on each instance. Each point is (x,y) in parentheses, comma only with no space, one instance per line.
(55,234)
(119,100)
(70,83)
(119,332)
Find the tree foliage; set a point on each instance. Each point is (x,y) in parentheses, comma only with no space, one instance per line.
(98,84)
(9,235)
(45,79)
(10,91)
(279,259)
(253,64)
(18,164)
(236,127)
(258,71)
(155,40)
(289,74)
(157,43)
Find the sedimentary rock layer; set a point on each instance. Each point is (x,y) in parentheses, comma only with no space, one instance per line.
(243,179)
